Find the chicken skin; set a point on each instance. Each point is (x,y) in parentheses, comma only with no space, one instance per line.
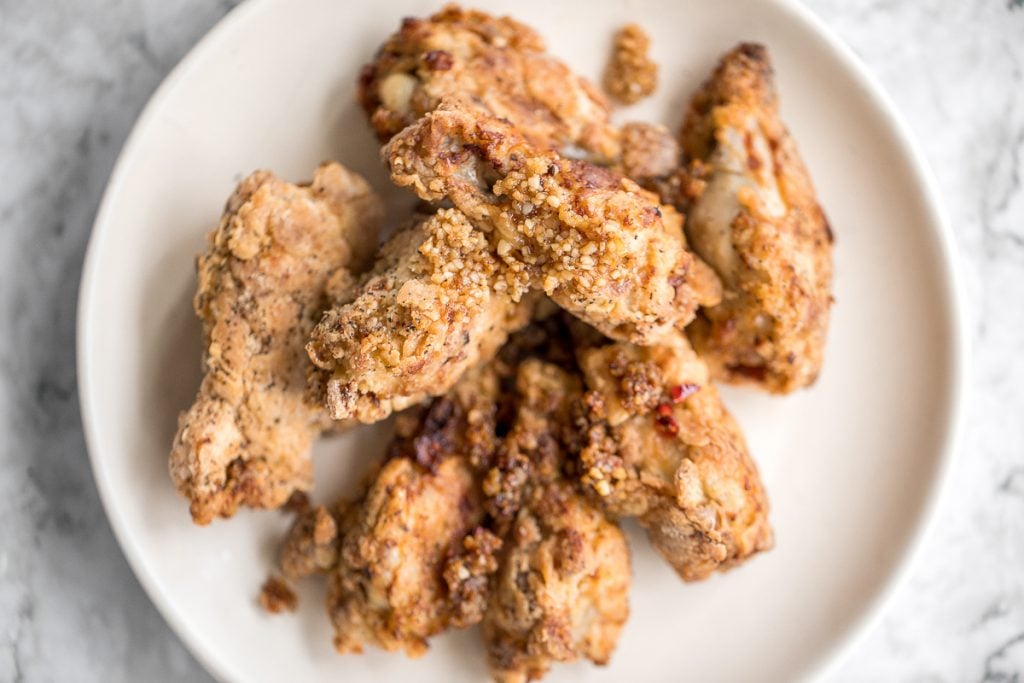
(561,590)
(595,242)
(500,63)
(430,309)
(752,214)
(658,444)
(280,252)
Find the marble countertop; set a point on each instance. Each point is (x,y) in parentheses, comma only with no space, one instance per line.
(73,78)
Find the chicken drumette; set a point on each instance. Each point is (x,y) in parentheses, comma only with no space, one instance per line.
(752,214)
(658,444)
(280,253)
(599,245)
(431,308)
(500,63)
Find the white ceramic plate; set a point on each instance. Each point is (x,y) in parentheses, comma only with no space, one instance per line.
(853,466)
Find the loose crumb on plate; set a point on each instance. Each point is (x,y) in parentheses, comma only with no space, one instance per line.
(276,596)
(631,74)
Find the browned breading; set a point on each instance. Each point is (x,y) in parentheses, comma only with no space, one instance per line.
(596,243)
(497,61)
(562,591)
(650,153)
(405,570)
(468,575)
(276,596)
(311,545)
(658,444)
(532,452)
(752,214)
(631,74)
(262,286)
(388,589)
(429,310)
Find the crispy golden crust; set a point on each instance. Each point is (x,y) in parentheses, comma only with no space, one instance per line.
(413,559)
(389,589)
(562,589)
(658,444)
(631,74)
(596,243)
(650,154)
(753,215)
(497,61)
(311,545)
(429,310)
(262,285)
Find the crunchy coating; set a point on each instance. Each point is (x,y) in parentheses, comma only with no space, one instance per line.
(631,74)
(599,245)
(404,569)
(658,444)
(311,545)
(263,282)
(650,154)
(562,589)
(499,62)
(752,214)
(428,311)
(533,451)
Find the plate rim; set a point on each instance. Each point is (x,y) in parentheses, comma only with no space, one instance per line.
(829,659)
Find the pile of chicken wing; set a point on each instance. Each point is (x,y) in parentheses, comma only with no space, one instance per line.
(546,331)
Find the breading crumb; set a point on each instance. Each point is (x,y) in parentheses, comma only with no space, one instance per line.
(276,596)
(631,74)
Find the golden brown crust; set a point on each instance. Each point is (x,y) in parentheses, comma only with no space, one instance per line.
(428,311)
(753,215)
(658,444)
(412,559)
(497,61)
(596,243)
(561,592)
(650,154)
(262,285)
(631,74)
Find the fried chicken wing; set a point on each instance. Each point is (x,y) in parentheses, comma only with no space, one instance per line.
(596,243)
(413,559)
(561,591)
(263,282)
(497,61)
(752,214)
(658,444)
(430,309)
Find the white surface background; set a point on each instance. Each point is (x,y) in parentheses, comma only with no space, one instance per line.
(73,77)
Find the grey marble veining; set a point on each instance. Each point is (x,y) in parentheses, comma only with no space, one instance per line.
(75,74)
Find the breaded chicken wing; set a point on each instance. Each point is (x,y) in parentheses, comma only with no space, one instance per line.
(561,590)
(412,558)
(429,310)
(263,283)
(500,63)
(658,444)
(752,214)
(596,243)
